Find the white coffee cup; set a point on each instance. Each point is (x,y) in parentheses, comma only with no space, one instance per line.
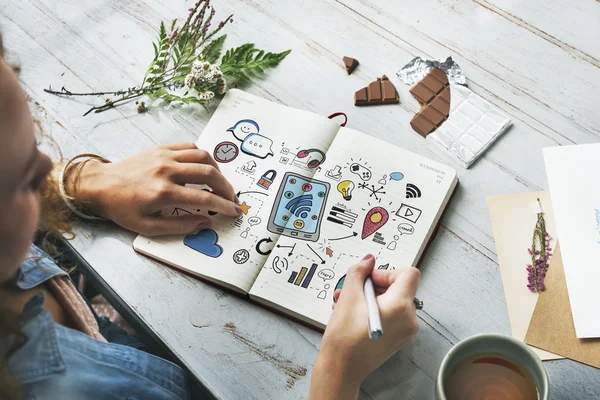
(507,347)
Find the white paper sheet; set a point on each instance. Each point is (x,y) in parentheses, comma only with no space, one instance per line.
(573,175)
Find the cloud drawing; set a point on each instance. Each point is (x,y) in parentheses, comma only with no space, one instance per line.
(205,242)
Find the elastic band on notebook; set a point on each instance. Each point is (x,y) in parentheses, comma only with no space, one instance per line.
(337,114)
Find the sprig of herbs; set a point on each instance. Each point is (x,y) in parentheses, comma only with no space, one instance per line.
(540,252)
(184,68)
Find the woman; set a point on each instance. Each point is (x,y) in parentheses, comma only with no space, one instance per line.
(50,344)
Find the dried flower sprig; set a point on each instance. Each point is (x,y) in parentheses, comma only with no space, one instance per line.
(540,252)
(184,68)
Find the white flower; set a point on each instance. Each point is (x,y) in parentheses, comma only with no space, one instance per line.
(205,78)
(199,66)
(206,96)
(189,81)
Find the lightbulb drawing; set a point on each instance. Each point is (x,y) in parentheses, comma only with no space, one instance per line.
(346,188)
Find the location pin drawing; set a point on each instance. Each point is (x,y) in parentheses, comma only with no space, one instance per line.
(375,219)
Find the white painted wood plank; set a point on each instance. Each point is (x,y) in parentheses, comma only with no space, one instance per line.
(554,21)
(526,70)
(513,164)
(386,128)
(219,376)
(100,44)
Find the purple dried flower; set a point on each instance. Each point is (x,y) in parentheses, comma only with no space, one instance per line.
(540,253)
(191,9)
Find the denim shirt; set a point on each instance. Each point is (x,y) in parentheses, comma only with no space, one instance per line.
(61,363)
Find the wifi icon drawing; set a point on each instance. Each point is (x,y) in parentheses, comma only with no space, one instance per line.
(301,205)
(412,191)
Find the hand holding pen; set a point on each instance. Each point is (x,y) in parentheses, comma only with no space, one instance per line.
(374,319)
(346,342)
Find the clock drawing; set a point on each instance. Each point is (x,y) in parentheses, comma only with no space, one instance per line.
(226,152)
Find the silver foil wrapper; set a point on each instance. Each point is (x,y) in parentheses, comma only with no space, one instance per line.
(415,70)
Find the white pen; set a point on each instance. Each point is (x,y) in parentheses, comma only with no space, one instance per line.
(375,329)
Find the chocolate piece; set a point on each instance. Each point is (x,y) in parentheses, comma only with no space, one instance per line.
(351,64)
(382,91)
(433,94)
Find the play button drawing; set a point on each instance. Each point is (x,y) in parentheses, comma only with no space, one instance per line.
(409,213)
(375,219)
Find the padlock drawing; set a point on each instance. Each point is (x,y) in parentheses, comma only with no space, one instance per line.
(267,179)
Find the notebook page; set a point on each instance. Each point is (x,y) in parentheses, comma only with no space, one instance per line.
(382,200)
(255,143)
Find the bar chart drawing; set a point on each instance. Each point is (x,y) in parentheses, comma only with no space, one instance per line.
(303,277)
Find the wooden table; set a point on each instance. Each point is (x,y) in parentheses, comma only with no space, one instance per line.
(538,61)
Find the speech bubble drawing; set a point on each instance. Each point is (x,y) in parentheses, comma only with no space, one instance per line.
(406,229)
(254,221)
(257,145)
(243,128)
(396,176)
(326,274)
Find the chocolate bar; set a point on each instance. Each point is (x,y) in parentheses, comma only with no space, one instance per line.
(433,94)
(351,64)
(382,91)
(473,125)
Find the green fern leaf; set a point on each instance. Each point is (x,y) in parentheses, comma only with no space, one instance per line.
(161,59)
(245,62)
(212,52)
(163,31)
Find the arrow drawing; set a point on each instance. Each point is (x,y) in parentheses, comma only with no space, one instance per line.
(316,254)
(288,247)
(238,194)
(261,241)
(346,237)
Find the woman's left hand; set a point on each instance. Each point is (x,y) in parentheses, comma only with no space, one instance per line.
(133,192)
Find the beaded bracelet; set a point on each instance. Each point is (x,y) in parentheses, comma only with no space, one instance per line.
(61,183)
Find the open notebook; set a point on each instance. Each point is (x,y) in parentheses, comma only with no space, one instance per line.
(316,199)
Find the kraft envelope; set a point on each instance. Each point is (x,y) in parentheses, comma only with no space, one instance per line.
(513,219)
(552,326)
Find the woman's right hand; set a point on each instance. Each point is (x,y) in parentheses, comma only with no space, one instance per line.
(347,355)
